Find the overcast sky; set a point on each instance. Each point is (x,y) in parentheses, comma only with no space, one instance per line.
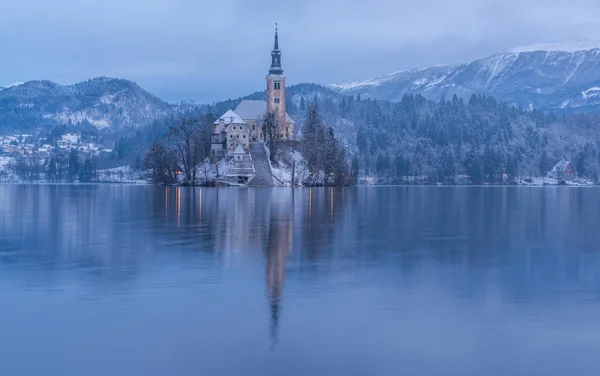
(211,50)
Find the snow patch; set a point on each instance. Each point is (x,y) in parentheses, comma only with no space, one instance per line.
(282,171)
(420,81)
(72,138)
(4,161)
(373,82)
(79,117)
(108,98)
(591,92)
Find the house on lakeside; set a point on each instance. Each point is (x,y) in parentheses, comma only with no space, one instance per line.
(230,131)
(563,171)
(242,167)
(244,124)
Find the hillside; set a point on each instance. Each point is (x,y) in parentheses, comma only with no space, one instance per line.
(103,103)
(557,76)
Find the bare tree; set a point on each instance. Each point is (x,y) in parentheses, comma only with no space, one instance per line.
(271,124)
(162,163)
(183,141)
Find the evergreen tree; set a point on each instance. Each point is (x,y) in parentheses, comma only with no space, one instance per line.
(88,171)
(544,163)
(73,169)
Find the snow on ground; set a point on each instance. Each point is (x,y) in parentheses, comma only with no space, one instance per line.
(551,181)
(282,170)
(208,171)
(4,161)
(123,174)
(71,137)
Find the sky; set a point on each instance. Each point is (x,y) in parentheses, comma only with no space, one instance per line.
(207,51)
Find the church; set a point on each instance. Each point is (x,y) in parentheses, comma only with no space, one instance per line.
(245,124)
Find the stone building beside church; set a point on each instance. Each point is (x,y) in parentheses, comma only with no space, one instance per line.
(244,124)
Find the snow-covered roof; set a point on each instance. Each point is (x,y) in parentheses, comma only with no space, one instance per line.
(561,166)
(251,110)
(230,117)
(255,110)
(239,150)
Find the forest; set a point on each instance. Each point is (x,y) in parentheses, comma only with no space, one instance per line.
(479,140)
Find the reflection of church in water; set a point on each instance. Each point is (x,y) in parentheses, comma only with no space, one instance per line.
(276,222)
(278,242)
(267,229)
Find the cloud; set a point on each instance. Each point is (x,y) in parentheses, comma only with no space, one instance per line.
(218,49)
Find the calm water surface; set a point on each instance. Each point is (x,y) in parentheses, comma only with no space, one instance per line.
(136,280)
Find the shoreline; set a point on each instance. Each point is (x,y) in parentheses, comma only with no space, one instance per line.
(147,184)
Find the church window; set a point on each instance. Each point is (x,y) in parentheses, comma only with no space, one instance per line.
(253,127)
(276,100)
(244,136)
(277,85)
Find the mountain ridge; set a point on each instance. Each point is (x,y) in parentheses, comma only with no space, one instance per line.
(101,102)
(527,76)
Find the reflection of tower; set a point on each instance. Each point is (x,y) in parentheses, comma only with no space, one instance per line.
(275,275)
(278,243)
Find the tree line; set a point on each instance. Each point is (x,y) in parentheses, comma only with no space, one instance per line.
(67,166)
(325,155)
(479,140)
(182,152)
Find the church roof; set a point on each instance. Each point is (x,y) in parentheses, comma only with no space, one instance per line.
(255,110)
(251,110)
(230,117)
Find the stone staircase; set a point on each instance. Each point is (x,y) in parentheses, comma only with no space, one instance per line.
(262,167)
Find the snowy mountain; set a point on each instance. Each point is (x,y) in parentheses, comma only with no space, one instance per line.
(565,76)
(100,102)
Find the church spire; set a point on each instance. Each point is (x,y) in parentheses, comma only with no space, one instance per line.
(276,55)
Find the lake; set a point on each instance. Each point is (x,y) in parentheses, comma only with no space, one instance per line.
(141,280)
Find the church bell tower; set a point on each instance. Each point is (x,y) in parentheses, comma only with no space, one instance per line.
(276,90)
